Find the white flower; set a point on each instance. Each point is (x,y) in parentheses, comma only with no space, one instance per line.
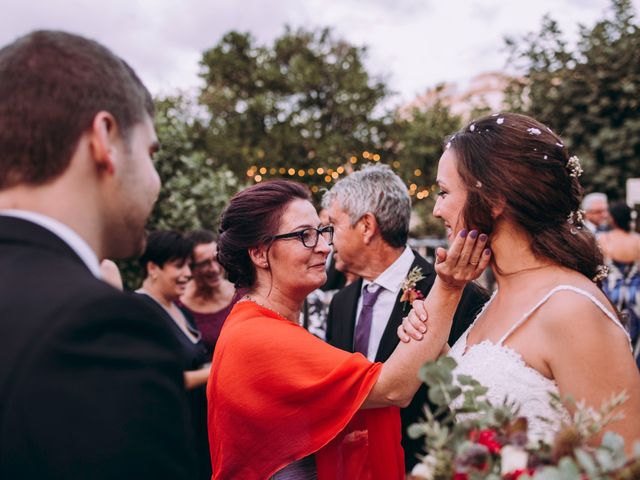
(513,458)
(426,469)
(534,131)
(500,121)
(472,127)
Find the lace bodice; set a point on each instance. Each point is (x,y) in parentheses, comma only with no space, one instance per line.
(503,371)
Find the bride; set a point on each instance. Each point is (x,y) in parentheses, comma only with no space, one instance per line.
(548,327)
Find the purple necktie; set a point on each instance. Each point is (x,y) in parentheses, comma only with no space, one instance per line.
(363,327)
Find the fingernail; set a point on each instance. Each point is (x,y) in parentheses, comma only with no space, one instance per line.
(423,329)
(473,234)
(420,337)
(483,237)
(487,251)
(463,232)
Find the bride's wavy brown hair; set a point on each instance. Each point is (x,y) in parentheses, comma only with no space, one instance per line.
(514,161)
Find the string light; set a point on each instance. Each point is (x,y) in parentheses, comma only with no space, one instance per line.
(320,171)
(376,158)
(263,171)
(258,178)
(365,154)
(291,172)
(353,160)
(396,164)
(272,171)
(335,175)
(311,171)
(340,170)
(327,178)
(282,170)
(301,173)
(417,172)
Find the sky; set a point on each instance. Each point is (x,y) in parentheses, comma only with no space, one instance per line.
(411,44)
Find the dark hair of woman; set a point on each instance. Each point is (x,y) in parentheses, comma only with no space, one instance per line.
(164,246)
(621,215)
(515,162)
(251,219)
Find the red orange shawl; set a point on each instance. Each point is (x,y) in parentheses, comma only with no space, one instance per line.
(277,394)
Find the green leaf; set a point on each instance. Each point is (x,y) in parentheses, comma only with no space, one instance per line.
(586,461)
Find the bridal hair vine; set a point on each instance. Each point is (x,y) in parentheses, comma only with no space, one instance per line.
(409,291)
(576,220)
(574,167)
(601,273)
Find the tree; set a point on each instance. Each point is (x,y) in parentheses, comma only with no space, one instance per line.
(589,95)
(304,102)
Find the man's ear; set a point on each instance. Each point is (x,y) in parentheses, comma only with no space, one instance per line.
(259,256)
(104,136)
(368,225)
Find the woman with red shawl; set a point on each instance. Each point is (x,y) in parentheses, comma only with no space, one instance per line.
(282,403)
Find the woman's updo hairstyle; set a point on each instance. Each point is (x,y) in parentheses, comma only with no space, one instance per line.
(514,161)
(251,219)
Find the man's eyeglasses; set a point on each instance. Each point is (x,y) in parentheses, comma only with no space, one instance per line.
(309,236)
(207,262)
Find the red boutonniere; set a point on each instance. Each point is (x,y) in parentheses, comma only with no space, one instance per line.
(409,291)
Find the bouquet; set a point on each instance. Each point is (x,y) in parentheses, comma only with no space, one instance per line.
(492,443)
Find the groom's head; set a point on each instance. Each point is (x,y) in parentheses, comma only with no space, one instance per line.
(76,128)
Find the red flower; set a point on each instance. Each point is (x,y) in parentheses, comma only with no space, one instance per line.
(488,438)
(518,473)
(411,294)
(460,476)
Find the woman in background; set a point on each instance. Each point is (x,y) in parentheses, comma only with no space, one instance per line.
(209,296)
(621,250)
(166,264)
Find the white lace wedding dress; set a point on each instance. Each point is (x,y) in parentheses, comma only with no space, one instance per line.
(503,371)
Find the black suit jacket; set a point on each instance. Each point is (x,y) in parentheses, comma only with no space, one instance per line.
(341,326)
(90,380)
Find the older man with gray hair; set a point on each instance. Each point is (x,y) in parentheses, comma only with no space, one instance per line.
(596,211)
(370,211)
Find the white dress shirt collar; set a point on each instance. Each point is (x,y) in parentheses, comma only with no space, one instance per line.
(393,277)
(66,234)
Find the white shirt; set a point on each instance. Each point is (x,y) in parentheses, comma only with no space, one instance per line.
(62,231)
(391,281)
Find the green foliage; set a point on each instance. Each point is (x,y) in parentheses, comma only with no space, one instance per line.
(590,95)
(194,190)
(303,102)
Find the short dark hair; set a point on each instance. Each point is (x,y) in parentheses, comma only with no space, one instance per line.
(164,246)
(251,219)
(52,85)
(199,237)
(621,214)
(516,159)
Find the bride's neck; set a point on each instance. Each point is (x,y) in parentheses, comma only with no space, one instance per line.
(514,264)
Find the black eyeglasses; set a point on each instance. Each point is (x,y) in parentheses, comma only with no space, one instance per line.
(310,236)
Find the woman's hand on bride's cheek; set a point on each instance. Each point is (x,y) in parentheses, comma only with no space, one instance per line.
(414,325)
(465,260)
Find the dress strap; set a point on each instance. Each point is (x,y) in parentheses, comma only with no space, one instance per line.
(559,288)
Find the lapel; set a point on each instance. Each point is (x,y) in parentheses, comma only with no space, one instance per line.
(389,338)
(345,315)
(16,231)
